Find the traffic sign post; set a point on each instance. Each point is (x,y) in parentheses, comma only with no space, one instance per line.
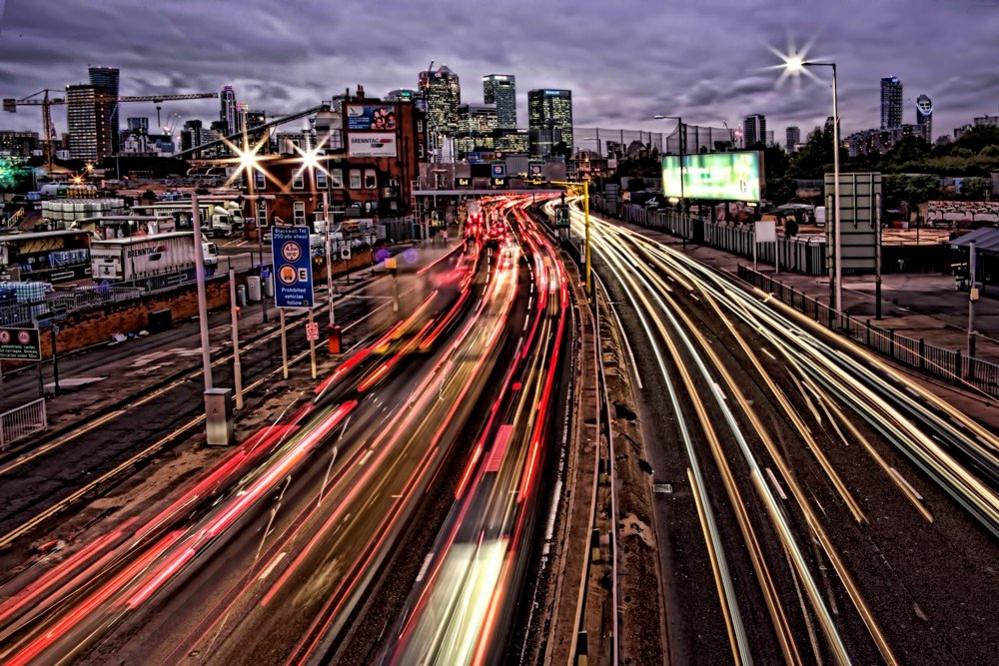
(292,267)
(20,344)
(292,279)
(312,334)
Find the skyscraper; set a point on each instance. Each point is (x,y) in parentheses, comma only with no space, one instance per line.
(754,130)
(924,117)
(140,124)
(476,128)
(228,113)
(793,137)
(549,119)
(891,102)
(501,90)
(105,79)
(89,125)
(442,92)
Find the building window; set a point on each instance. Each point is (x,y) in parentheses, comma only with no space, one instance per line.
(355,179)
(336,179)
(298,181)
(299,212)
(370,179)
(262,213)
(321,179)
(259,180)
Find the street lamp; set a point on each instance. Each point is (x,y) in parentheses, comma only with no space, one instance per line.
(682,139)
(795,64)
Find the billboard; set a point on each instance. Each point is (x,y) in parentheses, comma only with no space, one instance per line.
(371,117)
(292,267)
(371,144)
(718,176)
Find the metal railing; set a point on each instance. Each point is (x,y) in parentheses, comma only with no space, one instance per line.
(21,422)
(947,364)
(800,255)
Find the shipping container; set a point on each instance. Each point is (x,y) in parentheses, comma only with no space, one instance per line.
(148,258)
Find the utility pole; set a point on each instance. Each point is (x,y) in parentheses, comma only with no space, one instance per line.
(218,402)
(972,297)
(237,369)
(586,214)
(199,276)
(877,257)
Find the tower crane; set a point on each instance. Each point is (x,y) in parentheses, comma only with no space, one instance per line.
(46,101)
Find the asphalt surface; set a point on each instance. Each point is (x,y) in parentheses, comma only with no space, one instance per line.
(264,556)
(813,503)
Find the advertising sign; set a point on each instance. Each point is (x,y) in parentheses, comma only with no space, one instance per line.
(292,267)
(371,117)
(499,182)
(716,176)
(462,182)
(498,170)
(371,144)
(20,344)
(766,231)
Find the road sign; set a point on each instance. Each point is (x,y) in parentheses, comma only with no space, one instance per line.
(345,253)
(292,267)
(20,344)
(312,331)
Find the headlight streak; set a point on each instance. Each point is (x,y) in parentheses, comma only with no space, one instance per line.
(842,375)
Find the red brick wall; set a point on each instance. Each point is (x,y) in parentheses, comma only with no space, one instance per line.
(96,326)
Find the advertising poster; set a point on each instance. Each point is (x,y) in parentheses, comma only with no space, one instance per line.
(371,117)
(715,176)
(371,144)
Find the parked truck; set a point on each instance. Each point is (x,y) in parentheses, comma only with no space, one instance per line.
(219,217)
(157,259)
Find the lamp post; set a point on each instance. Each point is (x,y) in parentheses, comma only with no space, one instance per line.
(682,139)
(795,64)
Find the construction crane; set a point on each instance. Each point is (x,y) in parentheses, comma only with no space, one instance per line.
(10,105)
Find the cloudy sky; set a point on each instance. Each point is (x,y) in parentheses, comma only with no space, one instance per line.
(624,60)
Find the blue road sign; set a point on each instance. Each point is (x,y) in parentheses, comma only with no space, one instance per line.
(292,267)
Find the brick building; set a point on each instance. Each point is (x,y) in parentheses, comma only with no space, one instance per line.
(370,149)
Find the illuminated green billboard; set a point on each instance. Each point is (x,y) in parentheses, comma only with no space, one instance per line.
(718,176)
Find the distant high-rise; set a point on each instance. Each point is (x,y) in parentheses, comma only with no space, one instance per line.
(228,113)
(924,117)
(754,130)
(89,127)
(441,91)
(549,119)
(891,102)
(105,80)
(501,90)
(138,125)
(476,128)
(401,95)
(792,138)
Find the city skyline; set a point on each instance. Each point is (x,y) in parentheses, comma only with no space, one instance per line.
(291,61)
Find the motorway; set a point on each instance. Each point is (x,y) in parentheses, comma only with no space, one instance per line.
(838,511)
(266,556)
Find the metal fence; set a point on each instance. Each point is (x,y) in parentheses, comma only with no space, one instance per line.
(64,302)
(948,364)
(601,139)
(801,255)
(21,422)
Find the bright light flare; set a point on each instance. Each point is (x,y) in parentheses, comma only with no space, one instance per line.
(793,63)
(309,159)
